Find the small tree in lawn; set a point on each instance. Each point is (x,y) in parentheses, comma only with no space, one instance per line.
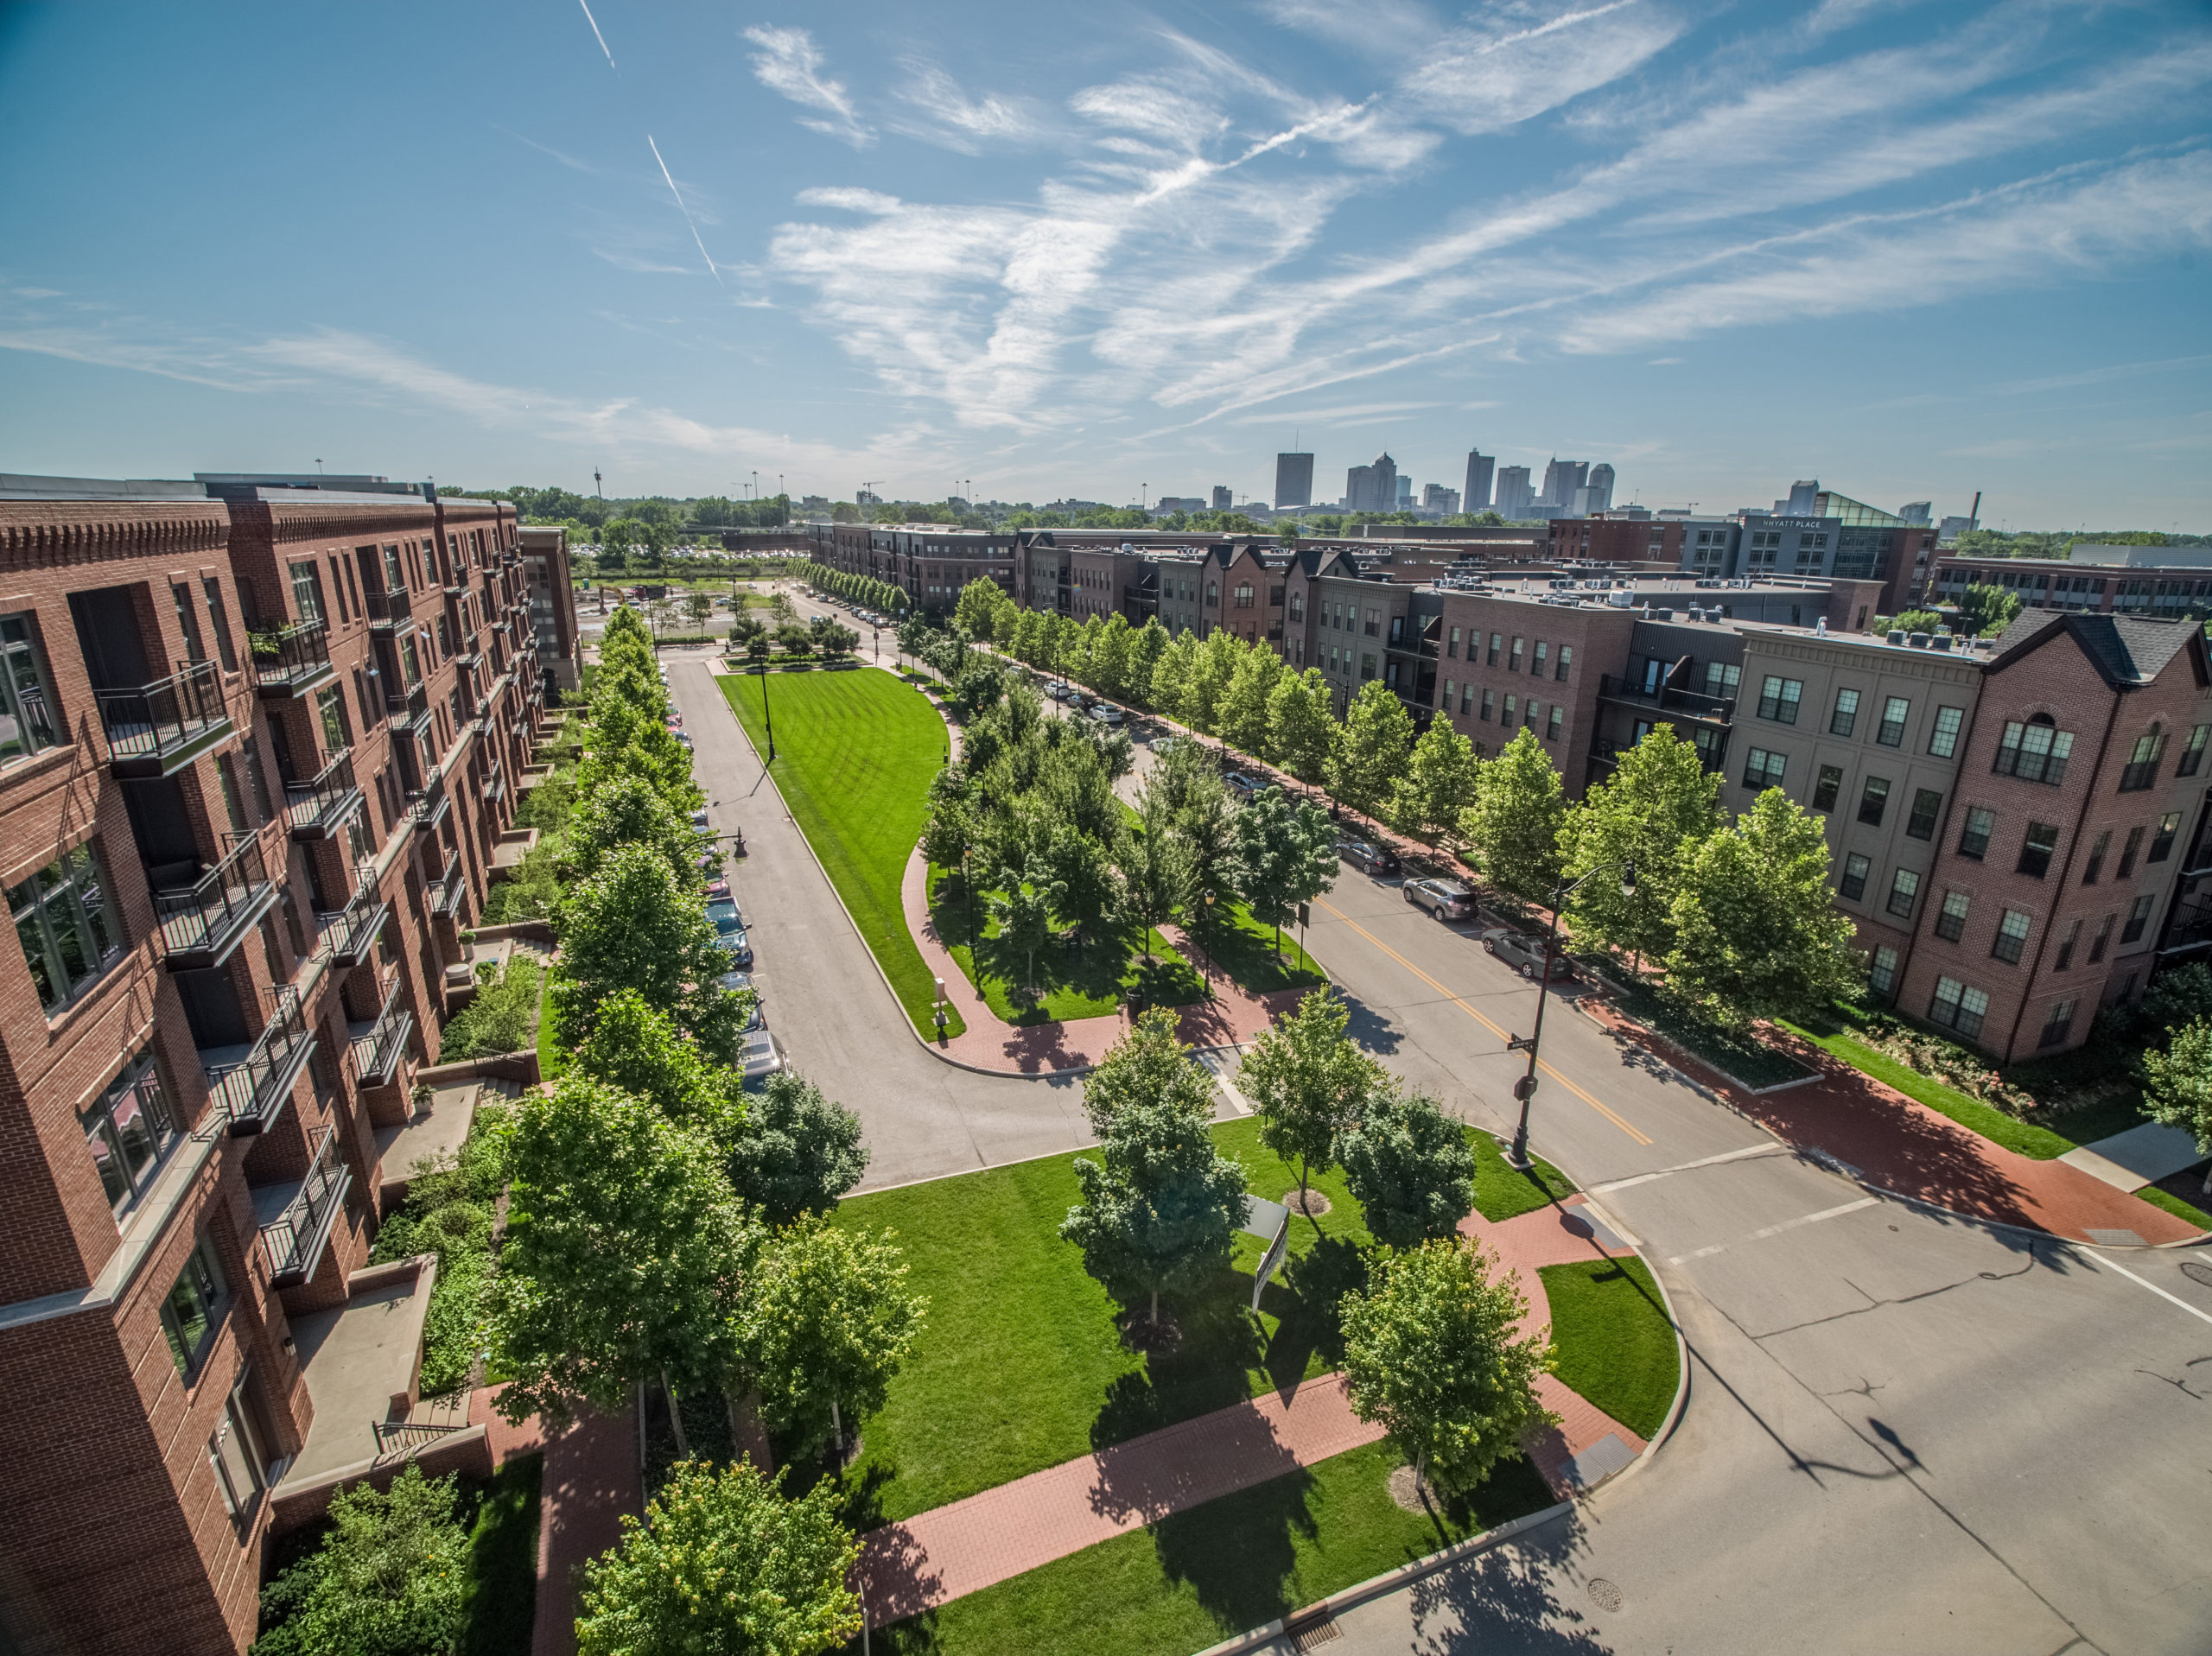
(724,1563)
(697,606)
(1206,824)
(1757,934)
(1308,1080)
(2177,1085)
(1439,784)
(792,1151)
(1286,855)
(828,1323)
(1409,1166)
(1378,741)
(1161,1207)
(1305,730)
(1514,824)
(626,1255)
(1024,913)
(1083,871)
(1432,1356)
(1155,872)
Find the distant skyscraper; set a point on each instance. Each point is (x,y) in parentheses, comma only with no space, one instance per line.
(1405,501)
(1293,479)
(1435,497)
(1804,495)
(1513,497)
(1479,467)
(1562,478)
(1917,511)
(1221,496)
(1372,488)
(1600,487)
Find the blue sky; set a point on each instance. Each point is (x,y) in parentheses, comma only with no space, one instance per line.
(1911,250)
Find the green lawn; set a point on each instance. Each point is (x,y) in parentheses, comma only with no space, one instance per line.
(1214,1570)
(1246,950)
(1020,1367)
(2024,1138)
(1088,984)
(855,753)
(2174,1205)
(502,1561)
(1616,1346)
(1503,1191)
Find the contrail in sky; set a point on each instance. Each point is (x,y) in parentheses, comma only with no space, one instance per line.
(686,211)
(595,35)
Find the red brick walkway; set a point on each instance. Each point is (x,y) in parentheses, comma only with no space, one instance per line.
(1898,1144)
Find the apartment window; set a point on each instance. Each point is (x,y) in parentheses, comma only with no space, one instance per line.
(1374,625)
(1213,591)
(337,589)
(2034,752)
(2192,754)
(307,591)
(1451,646)
(2056,1024)
(1943,739)
(2095,868)
(2161,842)
(1955,1006)
(1541,659)
(1566,664)
(1890,732)
(2066,946)
(2012,936)
(187,620)
(128,1129)
(1552,730)
(1845,718)
(2036,849)
(191,1312)
(2127,852)
(1873,800)
(1853,886)
(330,710)
(1778,699)
(2139,915)
(2104,936)
(1826,789)
(1513,661)
(1367,667)
(1446,702)
(1243,596)
(62,921)
(1927,806)
(1497,642)
(1763,770)
(1512,705)
(235,1454)
(1951,919)
(26,710)
(1530,713)
(1905,886)
(218,622)
(1723,679)
(1882,971)
(2142,767)
(1487,703)
(1466,698)
(1973,837)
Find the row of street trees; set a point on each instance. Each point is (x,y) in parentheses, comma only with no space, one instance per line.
(864,590)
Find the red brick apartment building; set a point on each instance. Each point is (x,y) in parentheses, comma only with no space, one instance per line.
(256,744)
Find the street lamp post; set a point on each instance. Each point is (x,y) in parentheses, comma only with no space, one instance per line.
(768,713)
(1206,955)
(1525,1089)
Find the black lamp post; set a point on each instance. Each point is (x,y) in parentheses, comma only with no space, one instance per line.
(1525,1089)
(766,713)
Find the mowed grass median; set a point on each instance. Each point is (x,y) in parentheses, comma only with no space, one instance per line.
(855,753)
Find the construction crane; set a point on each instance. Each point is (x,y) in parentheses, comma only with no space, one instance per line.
(870,487)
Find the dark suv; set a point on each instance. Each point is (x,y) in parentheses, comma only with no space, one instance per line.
(1368,859)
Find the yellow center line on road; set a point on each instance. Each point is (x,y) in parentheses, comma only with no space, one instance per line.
(1501,1034)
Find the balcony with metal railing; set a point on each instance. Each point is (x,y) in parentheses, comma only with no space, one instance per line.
(317,809)
(248,1084)
(388,610)
(349,933)
(380,1043)
(1690,704)
(494,785)
(445,894)
(155,730)
(292,660)
(296,1217)
(200,924)
(428,804)
(409,711)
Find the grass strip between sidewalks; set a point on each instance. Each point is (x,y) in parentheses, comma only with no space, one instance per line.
(1616,1344)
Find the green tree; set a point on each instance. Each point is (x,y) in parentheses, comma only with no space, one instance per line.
(1308,1081)
(2177,1085)
(1306,731)
(1987,610)
(1655,808)
(625,1254)
(1410,1168)
(1757,933)
(1286,855)
(723,1564)
(639,1050)
(1377,743)
(1161,1207)
(1024,911)
(697,606)
(976,612)
(1243,715)
(1438,785)
(1172,677)
(627,810)
(389,1579)
(1155,872)
(792,1151)
(1515,822)
(1431,1354)
(632,927)
(1206,825)
(829,1322)
(1082,869)
(1213,665)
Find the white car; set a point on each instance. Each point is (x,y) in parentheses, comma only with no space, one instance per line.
(760,1059)
(1107,714)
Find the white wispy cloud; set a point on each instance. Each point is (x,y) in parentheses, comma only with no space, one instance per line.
(957,121)
(790,63)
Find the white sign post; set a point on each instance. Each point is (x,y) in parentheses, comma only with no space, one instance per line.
(1272,1221)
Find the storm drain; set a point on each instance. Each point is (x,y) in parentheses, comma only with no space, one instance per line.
(2197,1272)
(1312,1634)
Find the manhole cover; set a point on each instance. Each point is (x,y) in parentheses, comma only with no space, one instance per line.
(1604,1595)
(2197,1272)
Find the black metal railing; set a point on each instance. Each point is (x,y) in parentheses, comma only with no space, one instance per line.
(201,922)
(351,932)
(446,891)
(406,1436)
(291,1241)
(250,1092)
(494,785)
(166,721)
(290,659)
(1692,702)
(315,809)
(428,804)
(378,1050)
(2192,924)
(392,607)
(408,709)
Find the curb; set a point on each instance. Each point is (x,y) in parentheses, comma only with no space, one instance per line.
(1389,1580)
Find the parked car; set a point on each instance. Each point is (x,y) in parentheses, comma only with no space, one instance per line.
(1063,693)
(722,910)
(683,737)
(1368,859)
(1525,953)
(760,1059)
(714,890)
(1245,789)
(738,947)
(1446,899)
(1107,714)
(699,821)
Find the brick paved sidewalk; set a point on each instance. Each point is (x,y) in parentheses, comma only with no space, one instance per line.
(1896,1144)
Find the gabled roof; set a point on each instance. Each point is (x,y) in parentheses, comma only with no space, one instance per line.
(2127,650)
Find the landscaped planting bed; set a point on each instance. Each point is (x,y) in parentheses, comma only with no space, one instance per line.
(1088,982)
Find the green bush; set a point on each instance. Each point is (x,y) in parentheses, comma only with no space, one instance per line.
(450,1212)
(502,1018)
(390,1578)
(547,806)
(532,889)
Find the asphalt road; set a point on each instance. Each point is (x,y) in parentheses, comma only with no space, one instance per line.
(1905,1432)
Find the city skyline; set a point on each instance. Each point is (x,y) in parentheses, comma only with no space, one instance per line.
(1918,254)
